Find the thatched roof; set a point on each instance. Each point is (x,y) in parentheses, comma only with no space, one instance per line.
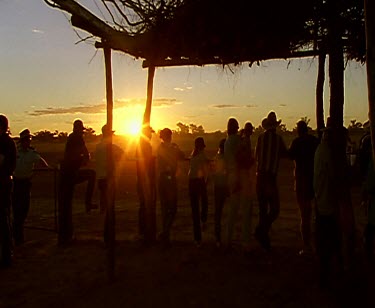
(199,32)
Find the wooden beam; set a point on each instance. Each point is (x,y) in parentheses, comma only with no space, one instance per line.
(186,61)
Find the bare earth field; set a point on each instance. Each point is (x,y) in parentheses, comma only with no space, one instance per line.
(46,275)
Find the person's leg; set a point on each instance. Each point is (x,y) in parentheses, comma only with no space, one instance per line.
(171,204)
(305,211)
(65,222)
(246,207)
(261,231)
(274,203)
(5,223)
(204,200)
(219,195)
(194,203)
(234,204)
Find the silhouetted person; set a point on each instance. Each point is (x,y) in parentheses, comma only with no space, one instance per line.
(7,166)
(328,235)
(76,155)
(246,162)
(220,190)
(167,157)
(146,187)
(302,151)
(198,174)
(269,149)
(369,232)
(231,151)
(27,158)
(103,170)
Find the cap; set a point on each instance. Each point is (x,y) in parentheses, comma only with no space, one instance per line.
(165,133)
(25,134)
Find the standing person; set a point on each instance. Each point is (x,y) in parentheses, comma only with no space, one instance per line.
(220,190)
(146,187)
(269,149)
(369,232)
(302,151)
(168,155)
(328,236)
(76,155)
(102,169)
(7,165)
(246,163)
(198,174)
(27,158)
(231,150)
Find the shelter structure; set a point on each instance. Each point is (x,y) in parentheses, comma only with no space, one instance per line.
(203,32)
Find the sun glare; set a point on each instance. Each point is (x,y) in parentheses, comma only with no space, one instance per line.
(132,128)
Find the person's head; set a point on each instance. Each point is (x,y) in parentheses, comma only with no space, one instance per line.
(232,126)
(147,131)
(4,124)
(221,146)
(106,132)
(25,138)
(271,121)
(248,129)
(78,126)
(166,135)
(302,128)
(199,143)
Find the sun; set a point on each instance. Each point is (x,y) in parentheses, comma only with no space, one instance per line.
(133,128)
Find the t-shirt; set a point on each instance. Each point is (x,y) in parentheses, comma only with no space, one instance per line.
(101,158)
(8,156)
(26,158)
(198,166)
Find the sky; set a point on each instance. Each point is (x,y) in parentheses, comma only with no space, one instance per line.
(48,78)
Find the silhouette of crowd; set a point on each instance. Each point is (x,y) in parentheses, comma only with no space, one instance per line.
(242,176)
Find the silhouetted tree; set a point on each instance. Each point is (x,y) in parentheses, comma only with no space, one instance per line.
(183,128)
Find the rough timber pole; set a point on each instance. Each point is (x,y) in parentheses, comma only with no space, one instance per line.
(110,210)
(150,88)
(370,63)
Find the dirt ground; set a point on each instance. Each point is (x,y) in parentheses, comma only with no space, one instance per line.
(46,275)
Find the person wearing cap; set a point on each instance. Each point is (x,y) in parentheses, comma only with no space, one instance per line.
(146,187)
(7,165)
(231,150)
(302,151)
(27,159)
(168,155)
(245,163)
(76,155)
(198,174)
(269,149)
(103,169)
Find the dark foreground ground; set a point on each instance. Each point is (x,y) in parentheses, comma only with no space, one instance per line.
(45,275)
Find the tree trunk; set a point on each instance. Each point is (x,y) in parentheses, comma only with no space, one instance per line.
(320,93)
(370,63)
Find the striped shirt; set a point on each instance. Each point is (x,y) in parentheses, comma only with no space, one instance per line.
(269,148)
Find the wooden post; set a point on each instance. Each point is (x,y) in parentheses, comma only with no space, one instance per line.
(370,64)
(320,93)
(109,227)
(150,88)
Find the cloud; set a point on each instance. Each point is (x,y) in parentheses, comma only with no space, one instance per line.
(69,110)
(165,102)
(225,106)
(186,88)
(282,105)
(251,106)
(101,108)
(37,31)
